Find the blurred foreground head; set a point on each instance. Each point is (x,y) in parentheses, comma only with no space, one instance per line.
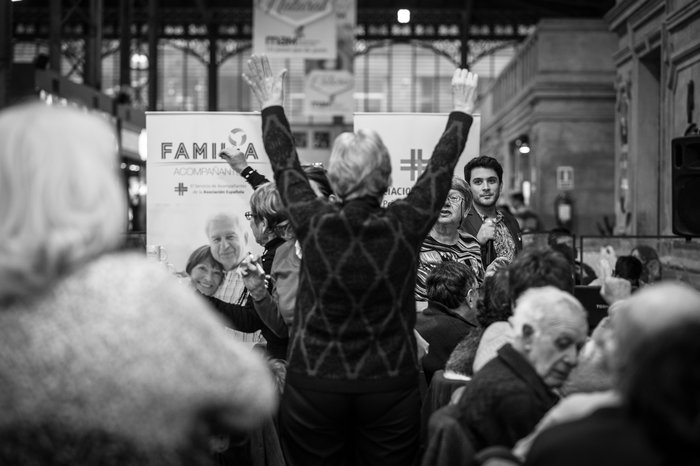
(638,320)
(62,204)
(104,358)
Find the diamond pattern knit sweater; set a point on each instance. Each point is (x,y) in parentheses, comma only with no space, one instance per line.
(355,310)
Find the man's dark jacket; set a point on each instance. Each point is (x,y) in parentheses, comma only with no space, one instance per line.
(472,223)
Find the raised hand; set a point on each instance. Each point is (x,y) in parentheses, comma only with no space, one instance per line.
(234,157)
(267,87)
(464,90)
(253,276)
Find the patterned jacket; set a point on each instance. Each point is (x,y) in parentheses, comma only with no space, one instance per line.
(355,312)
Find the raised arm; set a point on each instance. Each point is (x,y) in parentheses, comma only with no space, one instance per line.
(430,191)
(292,183)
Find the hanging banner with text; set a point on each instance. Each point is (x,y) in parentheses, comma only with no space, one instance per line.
(188,183)
(294,28)
(410,139)
(329,85)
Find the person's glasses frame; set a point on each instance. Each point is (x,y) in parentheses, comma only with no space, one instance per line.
(455,199)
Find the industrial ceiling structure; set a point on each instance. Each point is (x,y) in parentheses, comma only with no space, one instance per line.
(484,19)
(469,28)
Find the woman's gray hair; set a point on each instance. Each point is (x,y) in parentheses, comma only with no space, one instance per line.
(359,165)
(266,203)
(62,203)
(458,184)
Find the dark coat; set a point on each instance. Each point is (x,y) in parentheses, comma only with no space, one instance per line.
(504,401)
(355,311)
(472,223)
(605,438)
(442,328)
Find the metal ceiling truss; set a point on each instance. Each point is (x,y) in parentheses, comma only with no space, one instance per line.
(236,23)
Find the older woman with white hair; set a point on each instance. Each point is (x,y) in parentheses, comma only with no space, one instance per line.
(104,358)
(352,384)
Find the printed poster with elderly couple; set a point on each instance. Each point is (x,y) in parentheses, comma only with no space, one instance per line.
(188,184)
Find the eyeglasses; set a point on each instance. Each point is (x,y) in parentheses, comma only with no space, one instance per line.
(249,215)
(455,198)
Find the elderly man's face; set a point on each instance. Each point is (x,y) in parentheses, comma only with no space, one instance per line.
(553,351)
(224,241)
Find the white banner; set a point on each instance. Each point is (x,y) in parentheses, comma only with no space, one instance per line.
(410,139)
(188,183)
(295,28)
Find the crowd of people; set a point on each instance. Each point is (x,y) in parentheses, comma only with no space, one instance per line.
(421,332)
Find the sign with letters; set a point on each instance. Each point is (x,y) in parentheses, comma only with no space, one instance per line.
(188,182)
(295,28)
(410,139)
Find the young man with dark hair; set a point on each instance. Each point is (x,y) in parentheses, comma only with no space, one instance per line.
(496,229)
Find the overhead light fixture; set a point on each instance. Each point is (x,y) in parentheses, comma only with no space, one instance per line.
(523,144)
(403,16)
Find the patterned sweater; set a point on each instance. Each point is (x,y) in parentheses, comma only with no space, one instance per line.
(355,312)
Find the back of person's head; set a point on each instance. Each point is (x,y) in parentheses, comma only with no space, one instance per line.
(319,176)
(266,203)
(359,165)
(449,282)
(538,267)
(517,198)
(559,235)
(494,303)
(462,357)
(61,200)
(651,271)
(661,391)
(647,312)
(483,161)
(629,268)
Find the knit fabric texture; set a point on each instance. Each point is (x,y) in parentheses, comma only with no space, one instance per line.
(119,348)
(355,311)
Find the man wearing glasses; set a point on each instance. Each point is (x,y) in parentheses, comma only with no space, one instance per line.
(446,242)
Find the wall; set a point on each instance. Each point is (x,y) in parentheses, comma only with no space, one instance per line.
(658,54)
(559,92)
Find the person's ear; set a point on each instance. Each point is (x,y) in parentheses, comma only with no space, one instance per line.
(528,336)
(472,297)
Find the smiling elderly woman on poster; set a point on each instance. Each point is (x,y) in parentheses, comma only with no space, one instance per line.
(352,385)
